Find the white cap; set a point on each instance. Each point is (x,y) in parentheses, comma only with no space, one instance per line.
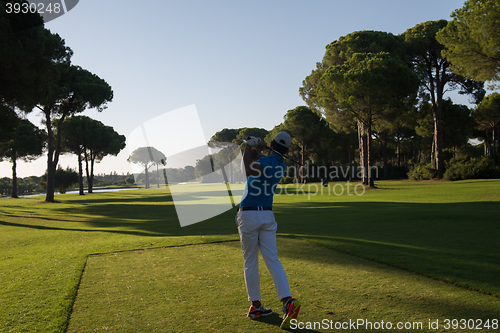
(283,138)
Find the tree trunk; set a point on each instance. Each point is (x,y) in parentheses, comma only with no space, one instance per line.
(51,165)
(433,151)
(351,163)
(80,174)
(14,176)
(54,150)
(493,140)
(51,179)
(158,176)
(369,158)
(302,180)
(91,179)
(437,88)
(363,156)
(146,174)
(87,171)
(416,152)
(361,153)
(398,150)
(438,144)
(486,145)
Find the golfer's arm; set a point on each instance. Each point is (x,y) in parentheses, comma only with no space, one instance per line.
(251,167)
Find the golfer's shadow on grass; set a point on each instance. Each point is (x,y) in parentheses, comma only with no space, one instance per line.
(275,319)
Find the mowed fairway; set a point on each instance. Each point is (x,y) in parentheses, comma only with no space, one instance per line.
(200,288)
(407,251)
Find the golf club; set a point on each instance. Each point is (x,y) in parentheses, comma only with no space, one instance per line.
(324,181)
(267,147)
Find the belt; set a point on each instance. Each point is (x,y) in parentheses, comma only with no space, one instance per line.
(254,208)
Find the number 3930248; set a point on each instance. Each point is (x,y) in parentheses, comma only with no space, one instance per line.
(40,8)
(471,324)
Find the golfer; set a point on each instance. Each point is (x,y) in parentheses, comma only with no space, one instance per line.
(257,226)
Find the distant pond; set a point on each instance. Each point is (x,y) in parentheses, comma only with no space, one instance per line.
(77,191)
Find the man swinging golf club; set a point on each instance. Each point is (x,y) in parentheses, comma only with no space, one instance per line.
(257,225)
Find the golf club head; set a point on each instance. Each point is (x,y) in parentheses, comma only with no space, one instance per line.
(324,182)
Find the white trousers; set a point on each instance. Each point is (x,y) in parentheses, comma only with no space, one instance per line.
(257,229)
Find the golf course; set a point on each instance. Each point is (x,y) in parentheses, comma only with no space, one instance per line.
(159,160)
(412,256)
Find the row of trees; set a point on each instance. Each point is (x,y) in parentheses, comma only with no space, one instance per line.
(36,73)
(64,179)
(25,186)
(87,138)
(23,141)
(37,184)
(377,98)
(383,95)
(209,168)
(378,84)
(370,82)
(374,93)
(90,140)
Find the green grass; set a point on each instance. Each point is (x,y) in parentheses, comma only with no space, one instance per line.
(200,288)
(44,247)
(447,231)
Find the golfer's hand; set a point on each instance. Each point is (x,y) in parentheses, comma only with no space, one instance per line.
(253,141)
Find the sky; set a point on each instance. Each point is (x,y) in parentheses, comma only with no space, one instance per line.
(237,63)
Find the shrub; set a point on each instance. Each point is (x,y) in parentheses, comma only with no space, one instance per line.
(472,168)
(130,180)
(422,172)
(64,179)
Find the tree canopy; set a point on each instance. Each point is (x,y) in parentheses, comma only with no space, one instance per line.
(147,157)
(369,87)
(355,80)
(36,70)
(26,143)
(75,90)
(27,51)
(236,135)
(487,117)
(91,141)
(340,51)
(472,40)
(8,122)
(436,77)
(305,127)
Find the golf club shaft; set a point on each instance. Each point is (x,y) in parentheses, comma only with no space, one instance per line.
(284,156)
(324,182)
(267,147)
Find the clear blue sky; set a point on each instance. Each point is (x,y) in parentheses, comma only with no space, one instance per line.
(240,62)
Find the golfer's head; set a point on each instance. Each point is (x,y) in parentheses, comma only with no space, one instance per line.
(281,142)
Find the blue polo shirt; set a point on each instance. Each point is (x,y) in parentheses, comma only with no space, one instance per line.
(259,190)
